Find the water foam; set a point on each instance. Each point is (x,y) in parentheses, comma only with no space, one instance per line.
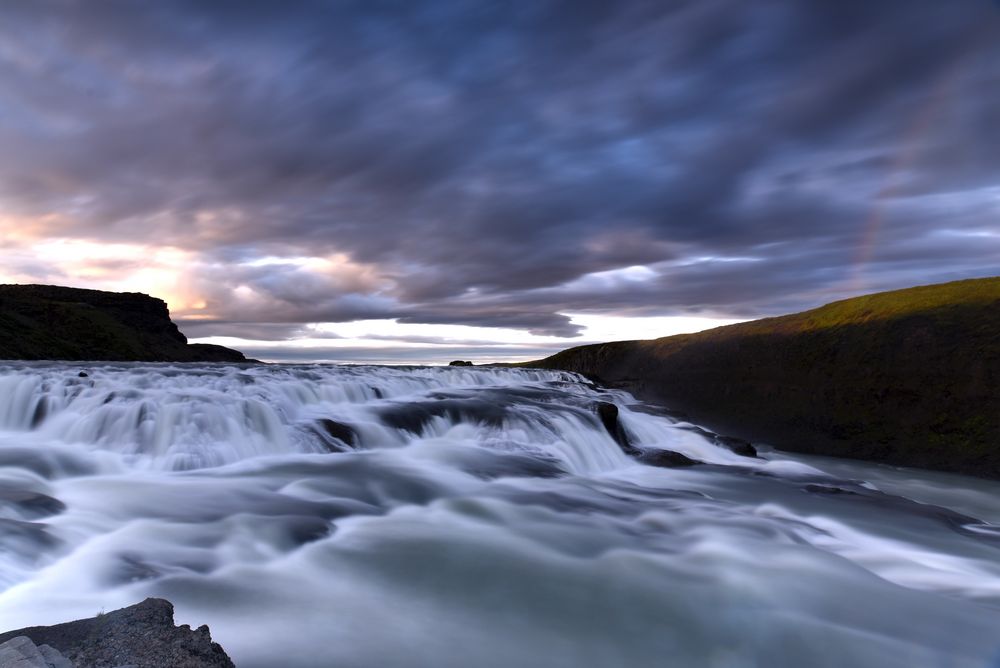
(359,516)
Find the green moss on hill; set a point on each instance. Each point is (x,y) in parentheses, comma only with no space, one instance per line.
(908,377)
(44,322)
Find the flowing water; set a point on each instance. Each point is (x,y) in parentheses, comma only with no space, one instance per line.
(454,517)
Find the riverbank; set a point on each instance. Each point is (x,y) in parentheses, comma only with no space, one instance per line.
(907,377)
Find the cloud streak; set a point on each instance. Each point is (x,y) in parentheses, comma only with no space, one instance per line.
(498,164)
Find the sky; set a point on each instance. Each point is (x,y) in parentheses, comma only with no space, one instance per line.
(426,180)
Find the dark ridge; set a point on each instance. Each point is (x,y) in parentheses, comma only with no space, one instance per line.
(907,377)
(47,322)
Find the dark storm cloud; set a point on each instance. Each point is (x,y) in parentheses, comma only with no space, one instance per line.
(256,331)
(474,160)
(395,355)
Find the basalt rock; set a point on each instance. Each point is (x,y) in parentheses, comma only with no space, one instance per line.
(666,459)
(736,445)
(47,322)
(907,377)
(142,635)
(339,432)
(608,414)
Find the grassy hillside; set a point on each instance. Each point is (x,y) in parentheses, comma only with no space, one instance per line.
(44,322)
(908,377)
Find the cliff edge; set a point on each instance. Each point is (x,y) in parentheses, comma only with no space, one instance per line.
(47,322)
(908,377)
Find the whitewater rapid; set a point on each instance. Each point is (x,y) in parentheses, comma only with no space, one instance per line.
(471,517)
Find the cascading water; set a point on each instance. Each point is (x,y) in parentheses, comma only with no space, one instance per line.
(373,516)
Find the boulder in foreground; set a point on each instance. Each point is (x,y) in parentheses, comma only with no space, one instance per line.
(21,652)
(142,635)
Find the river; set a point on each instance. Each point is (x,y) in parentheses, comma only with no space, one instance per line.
(471,517)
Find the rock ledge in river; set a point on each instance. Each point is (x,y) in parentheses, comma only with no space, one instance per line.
(142,635)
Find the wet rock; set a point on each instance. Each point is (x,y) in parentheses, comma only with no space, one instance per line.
(339,431)
(459,363)
(608,414)
(83,374)
(40,413)
(731,443)
(21,652)
(666,459)
(827,489)
(736,445)
(413,416)
(142,635)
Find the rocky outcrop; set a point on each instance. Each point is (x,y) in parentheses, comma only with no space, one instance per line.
(460,363)
(21,652)
(608,413)
(143,636)
(907,377)
(46,322)
(337,436)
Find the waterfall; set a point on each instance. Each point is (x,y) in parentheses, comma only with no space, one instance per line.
(402,516)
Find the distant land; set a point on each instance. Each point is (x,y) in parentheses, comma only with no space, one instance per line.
(908,377)
(47,322)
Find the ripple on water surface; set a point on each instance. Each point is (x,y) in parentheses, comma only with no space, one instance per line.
(375,516)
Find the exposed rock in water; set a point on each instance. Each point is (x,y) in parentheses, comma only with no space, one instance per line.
(608,413)
(459,363)
(736,445)
(827,489)
(339,432)
(142,635)
(47,322)
(731,443)
(907,377)
(666,459)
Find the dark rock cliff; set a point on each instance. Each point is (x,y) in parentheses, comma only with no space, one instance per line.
(909,377)
(46,322)
(142,635)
